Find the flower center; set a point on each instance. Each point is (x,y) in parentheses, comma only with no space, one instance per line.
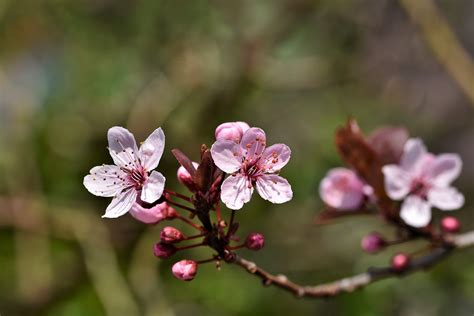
(136,177)
(420,187)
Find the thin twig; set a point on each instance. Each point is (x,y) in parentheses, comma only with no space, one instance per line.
(358,281)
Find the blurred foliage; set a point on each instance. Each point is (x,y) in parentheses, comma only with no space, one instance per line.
(69,70)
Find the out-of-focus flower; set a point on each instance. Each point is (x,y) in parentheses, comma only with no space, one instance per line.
(252,163)
(130,175)
(164,250)
(373,243)
(231,131)
(185,270)
(171,235)
(423,180)
(342,189)
(152,215)
(255,241)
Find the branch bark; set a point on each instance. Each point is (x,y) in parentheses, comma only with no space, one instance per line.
(350,284)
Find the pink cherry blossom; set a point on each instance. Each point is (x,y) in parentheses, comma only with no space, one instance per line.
(251,164)
(423,180)
(342,189)
(231,131)
(132,174)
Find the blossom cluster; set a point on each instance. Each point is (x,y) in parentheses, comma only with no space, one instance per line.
(136,188)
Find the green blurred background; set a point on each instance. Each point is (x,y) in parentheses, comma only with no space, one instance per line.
(69,70)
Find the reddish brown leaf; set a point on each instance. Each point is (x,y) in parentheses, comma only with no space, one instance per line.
(203,177)
(357,153)
(388,143)
(184,161)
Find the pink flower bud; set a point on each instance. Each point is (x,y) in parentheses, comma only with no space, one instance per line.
(163,251)
(231,131)
(152,215)
(400,262)
(342,189)
(171,235)
(185,270)
(255,241)
(450,224)
(185,178)
(373,243)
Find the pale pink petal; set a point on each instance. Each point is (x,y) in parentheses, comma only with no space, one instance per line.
(253,143)
(413,152)
(152,149)
(397,181)
(151,215)
(122,147)
(445,199)
(342,189)
(227,155)
(243,126)
(153,188)
(235,191)
(415,211)
(274,188)
(275,157)
(121,203)
(445,169)
(106,180)
(120,138)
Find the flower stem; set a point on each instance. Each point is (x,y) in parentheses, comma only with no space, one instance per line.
(187,221)
(179,195)
(184,207)
(190,246)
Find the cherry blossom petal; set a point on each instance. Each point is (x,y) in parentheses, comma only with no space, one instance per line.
(275,157)
(445,169)
(106,180)
(415,211)
(274,188)
(243,126)
(152,149)
(121,203)
(153,188)
(397,182)
(235,191)
(122,147)
(446,199)
(412,156)
(227,155)
(253,143)
(342,189)
(120,138)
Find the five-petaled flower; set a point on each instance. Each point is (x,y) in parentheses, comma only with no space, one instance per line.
(130,176)
(423,180)
(252,163)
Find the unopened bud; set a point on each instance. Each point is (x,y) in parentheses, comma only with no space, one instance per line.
(152,215)
(171,235)
(185,270)
(400,262)
(450,224)
(185,178)
(373,243)
(231,131)
(255,241)
(163,251)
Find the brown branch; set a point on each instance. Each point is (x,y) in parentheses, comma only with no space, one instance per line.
(435,30)
(358,281)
